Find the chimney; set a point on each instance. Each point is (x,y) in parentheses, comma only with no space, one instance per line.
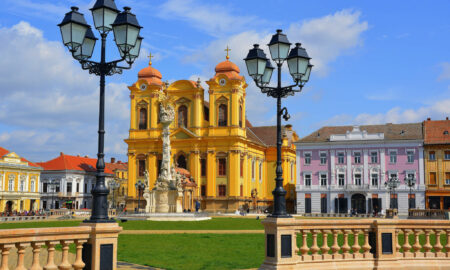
(86,156)
(113,160)
(428,119)
(61,153)
(446,118)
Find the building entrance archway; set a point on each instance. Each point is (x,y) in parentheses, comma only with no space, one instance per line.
(359,203)
(9,206)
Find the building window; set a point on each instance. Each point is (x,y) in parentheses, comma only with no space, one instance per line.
(222,115)
(69,187)
(358,179)
(57,188)
(253,170)
(393,157)
(159,166)
(32,186)
(307,180)
(22,185)
(240,116)
(44,187)
(307,158)
(432,155)
(203,191)
(447,155)
(292,172)
(78,187)
(11,182)
(374,157)
(357,157)
(182,116)
(341,158)
(143,118)
(410,155)
(447,178)
(323,180)
(341,179)
(222,190)
(374,178)
(260,172)
(432,178)
(222,166)
(203,166)
(141,167)
(412,200)
(181,162)
(323,158)
(241,190)
(323,203)
(241,168)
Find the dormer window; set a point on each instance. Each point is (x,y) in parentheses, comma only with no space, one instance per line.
(446,132)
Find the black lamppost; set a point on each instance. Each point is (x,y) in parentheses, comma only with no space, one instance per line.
(260,69)
(391,185)
(410,182)
(80,40)
(114,185)
(139,186)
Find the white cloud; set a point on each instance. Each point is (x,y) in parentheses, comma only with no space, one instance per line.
(49,102)
(445,74)
(214,19)
(437,110)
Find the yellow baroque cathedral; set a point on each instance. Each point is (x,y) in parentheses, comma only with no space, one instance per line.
(231,162)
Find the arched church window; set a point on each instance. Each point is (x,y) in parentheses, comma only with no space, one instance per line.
(222,115)
(182,116)
(240,116)
(181,160)
(143,118)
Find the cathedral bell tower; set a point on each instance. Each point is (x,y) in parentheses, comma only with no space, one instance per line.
(227,100)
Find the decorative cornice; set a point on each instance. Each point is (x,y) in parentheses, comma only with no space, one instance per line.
(234,90)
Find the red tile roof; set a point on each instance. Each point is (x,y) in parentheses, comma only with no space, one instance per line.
(75,163)
(436,132)
(4,152)
(117,166)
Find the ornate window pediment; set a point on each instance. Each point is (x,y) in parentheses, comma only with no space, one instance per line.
(182,100)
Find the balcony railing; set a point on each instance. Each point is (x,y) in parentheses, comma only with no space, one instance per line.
(93,236)
(381,244)
(68,194)
(356,187)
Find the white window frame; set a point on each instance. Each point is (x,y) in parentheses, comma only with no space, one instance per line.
(446,158)
(32,186)
(354,157)
(371,179)
(434,156)
(343,157)
(321,153)
(376,157)
(407,155)
(360,179)
(326,179)
(309,154)
(304,179)
(343,179)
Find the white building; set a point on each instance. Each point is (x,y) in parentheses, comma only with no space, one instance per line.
(67,182)
(344,167)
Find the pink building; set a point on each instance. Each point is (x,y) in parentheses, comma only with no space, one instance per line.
(344,167)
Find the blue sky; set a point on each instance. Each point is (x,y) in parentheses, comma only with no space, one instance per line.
(375,62)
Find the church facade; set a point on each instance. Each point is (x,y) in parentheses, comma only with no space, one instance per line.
(231,162)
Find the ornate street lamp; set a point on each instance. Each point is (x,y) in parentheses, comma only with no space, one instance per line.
(139,186)
(80,40)
(410,182)
(260,69)
(114,185)
(391,185)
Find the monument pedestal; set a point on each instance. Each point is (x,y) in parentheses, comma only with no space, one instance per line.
(162,201)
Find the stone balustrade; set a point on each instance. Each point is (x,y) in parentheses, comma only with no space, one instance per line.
(22,218)
(78,212)
(428,214)
(91,240)
(380,244)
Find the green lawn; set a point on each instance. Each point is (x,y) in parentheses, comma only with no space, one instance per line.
(193,251)
(212,224)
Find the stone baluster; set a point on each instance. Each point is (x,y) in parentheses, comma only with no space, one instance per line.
(36,252)
(21,255)
(5,256)
(345,247)
(65,265)
(416,245)
(356,247)
(335,247)
(397,243)
(438,246)
(427,246)
(366,247)
(406,246)
(51,256)
(447,246)
(314,248)
(79,264)
(304,249)
(324,248)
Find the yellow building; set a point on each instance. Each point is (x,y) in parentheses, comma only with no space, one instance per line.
(232,162)
(437,163)
(19,183)
(120,170)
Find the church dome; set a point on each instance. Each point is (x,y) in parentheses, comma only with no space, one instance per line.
(151,75)
(227,66)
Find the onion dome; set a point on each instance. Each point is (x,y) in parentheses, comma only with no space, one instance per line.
(230,69)
(151,75)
